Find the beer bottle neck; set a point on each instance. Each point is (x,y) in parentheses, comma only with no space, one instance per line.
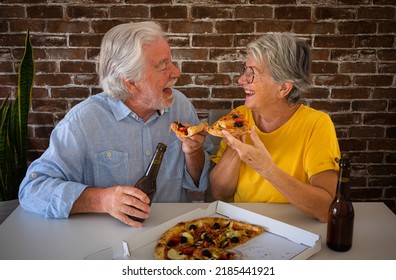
(155,163)
(343,185)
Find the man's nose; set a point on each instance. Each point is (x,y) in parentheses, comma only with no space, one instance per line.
(175,72)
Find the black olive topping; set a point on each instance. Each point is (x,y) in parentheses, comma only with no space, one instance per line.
(234,116)
(216,226)
(192,227)
(207,238)
(239,124)
(183,239)
(179,125)
(207,253)
(235,239)
(171,244)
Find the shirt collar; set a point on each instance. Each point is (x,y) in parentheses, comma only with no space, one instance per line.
(119,109)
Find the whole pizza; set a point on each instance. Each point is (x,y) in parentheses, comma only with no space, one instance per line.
(209,238)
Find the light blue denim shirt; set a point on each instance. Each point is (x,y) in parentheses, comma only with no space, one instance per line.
(102,143)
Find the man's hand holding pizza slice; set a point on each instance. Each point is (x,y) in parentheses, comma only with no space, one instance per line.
(192,138)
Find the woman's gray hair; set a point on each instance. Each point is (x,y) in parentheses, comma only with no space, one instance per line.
(287,58)
(121,55)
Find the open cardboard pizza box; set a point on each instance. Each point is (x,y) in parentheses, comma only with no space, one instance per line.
(280,241)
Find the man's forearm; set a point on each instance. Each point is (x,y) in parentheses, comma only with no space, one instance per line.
(194,164)
(88,202)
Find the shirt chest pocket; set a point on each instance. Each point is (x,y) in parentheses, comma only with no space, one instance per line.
(111,168)
(174,161)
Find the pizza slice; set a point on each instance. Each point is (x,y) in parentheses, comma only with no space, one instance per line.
(208,238)
(234,122)
(186,130)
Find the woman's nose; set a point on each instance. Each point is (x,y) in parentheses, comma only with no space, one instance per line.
(242,80)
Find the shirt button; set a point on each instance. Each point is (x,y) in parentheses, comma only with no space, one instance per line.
(108,154)
(148,152)
(33,175)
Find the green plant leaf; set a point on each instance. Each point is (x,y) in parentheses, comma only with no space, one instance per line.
(4,146)
(14,128)
(26,75)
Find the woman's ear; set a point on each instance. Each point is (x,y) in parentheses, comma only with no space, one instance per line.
(285,88)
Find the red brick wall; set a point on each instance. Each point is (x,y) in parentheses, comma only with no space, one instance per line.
(354,63)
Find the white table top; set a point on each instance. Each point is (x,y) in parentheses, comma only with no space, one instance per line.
(28,236)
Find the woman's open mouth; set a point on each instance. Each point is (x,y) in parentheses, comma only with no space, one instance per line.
(249,93)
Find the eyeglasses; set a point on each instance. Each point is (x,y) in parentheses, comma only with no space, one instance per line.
(248,72)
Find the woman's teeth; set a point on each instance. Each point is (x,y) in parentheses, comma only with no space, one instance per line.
(249,92)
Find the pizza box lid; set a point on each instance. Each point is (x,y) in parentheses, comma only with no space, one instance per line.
(280,241)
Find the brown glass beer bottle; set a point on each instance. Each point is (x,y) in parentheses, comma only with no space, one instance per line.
(148,182)
(341,214)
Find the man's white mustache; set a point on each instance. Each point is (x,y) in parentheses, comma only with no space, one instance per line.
(171,83)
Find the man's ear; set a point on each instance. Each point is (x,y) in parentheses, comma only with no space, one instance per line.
(130,86)
(285,88)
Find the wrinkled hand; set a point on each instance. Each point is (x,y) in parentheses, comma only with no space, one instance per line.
(121,201)
(192,144)
(255,155)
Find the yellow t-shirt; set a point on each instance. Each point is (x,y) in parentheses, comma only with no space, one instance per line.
(305,145)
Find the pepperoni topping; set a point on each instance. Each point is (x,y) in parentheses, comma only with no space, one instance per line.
(174,240)
(188,250)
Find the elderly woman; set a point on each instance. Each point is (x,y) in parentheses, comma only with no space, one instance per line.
(289,157)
